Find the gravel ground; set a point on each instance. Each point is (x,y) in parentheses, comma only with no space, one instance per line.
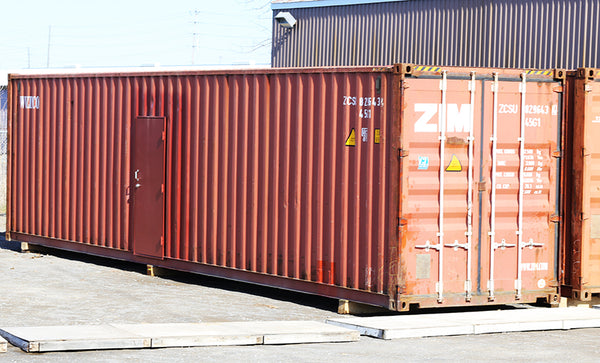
(63,288)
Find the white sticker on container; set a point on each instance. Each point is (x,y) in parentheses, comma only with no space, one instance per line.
(541,283)
(364,132)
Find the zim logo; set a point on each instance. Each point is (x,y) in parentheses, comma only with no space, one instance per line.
(30,102)
(457,117)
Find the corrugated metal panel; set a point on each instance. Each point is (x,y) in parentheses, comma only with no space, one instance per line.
(582,169)
(514,34)
(259,177)
(69,163)
(307,179)
(258,174)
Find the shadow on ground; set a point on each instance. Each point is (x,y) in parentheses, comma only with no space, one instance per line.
(9,245)
(314,301)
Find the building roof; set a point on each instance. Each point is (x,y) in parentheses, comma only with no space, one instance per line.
(297,4)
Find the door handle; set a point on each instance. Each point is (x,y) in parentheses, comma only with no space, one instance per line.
(136,176)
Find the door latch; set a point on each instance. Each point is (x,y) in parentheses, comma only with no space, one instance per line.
(137,178)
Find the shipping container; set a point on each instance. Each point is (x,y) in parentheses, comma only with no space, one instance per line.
(403,186)
(581,262)
(469,33)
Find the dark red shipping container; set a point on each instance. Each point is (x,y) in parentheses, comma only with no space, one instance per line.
(392,186)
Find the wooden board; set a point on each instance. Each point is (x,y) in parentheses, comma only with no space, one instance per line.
(128,336)
(465,323)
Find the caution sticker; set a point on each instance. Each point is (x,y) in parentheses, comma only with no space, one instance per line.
(351,140)
(454,164)
(377,136)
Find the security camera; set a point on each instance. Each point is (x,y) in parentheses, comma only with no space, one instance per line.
(285,19)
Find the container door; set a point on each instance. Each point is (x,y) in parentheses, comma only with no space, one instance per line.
(147,185)
(520,170)
(479,189)
(442,172)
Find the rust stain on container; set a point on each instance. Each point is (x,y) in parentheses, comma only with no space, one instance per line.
(581,251)
(354,183)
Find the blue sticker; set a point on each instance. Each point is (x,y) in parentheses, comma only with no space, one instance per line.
(423,162)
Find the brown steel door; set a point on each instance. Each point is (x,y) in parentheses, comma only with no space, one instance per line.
(147,185)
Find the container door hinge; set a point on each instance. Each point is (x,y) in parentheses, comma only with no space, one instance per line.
(162,240)
(558,89)
(402,222)
(557,154)
(584,152)
(163,136)
(555,218)
(402,153)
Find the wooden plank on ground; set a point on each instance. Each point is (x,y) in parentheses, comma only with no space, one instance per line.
(66,338)
(465,323)
(127,336)
(3,345)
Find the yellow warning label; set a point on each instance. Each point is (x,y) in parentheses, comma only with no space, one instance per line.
(454,164)
(377,136)
(351,140)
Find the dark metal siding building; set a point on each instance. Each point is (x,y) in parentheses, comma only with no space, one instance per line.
(475,33)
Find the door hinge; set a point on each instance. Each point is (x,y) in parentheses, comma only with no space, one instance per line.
(557,154)
(555,218)
(162,188)
(164,136)
(162,240)
(402,153)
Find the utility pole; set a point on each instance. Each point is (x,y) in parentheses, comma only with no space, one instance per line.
(48,58)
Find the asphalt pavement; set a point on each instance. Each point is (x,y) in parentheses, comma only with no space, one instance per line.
(63,288)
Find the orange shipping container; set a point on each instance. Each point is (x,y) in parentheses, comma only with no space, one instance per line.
(395,186)
(581,263)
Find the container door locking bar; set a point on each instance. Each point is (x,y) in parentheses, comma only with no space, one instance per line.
(442,122)
(492,232)
(439,286)
(469,233)
(518,282)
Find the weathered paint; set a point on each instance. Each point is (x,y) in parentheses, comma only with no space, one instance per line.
(307,179)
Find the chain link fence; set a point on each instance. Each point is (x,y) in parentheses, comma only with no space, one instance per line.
(3,147)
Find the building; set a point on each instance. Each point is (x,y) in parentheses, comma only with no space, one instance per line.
(475,33)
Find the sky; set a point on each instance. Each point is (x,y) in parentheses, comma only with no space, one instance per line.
(109,33)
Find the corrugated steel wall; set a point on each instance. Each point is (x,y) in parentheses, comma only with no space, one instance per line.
(259,178)
(258,174)
(69,164)
(515,34)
